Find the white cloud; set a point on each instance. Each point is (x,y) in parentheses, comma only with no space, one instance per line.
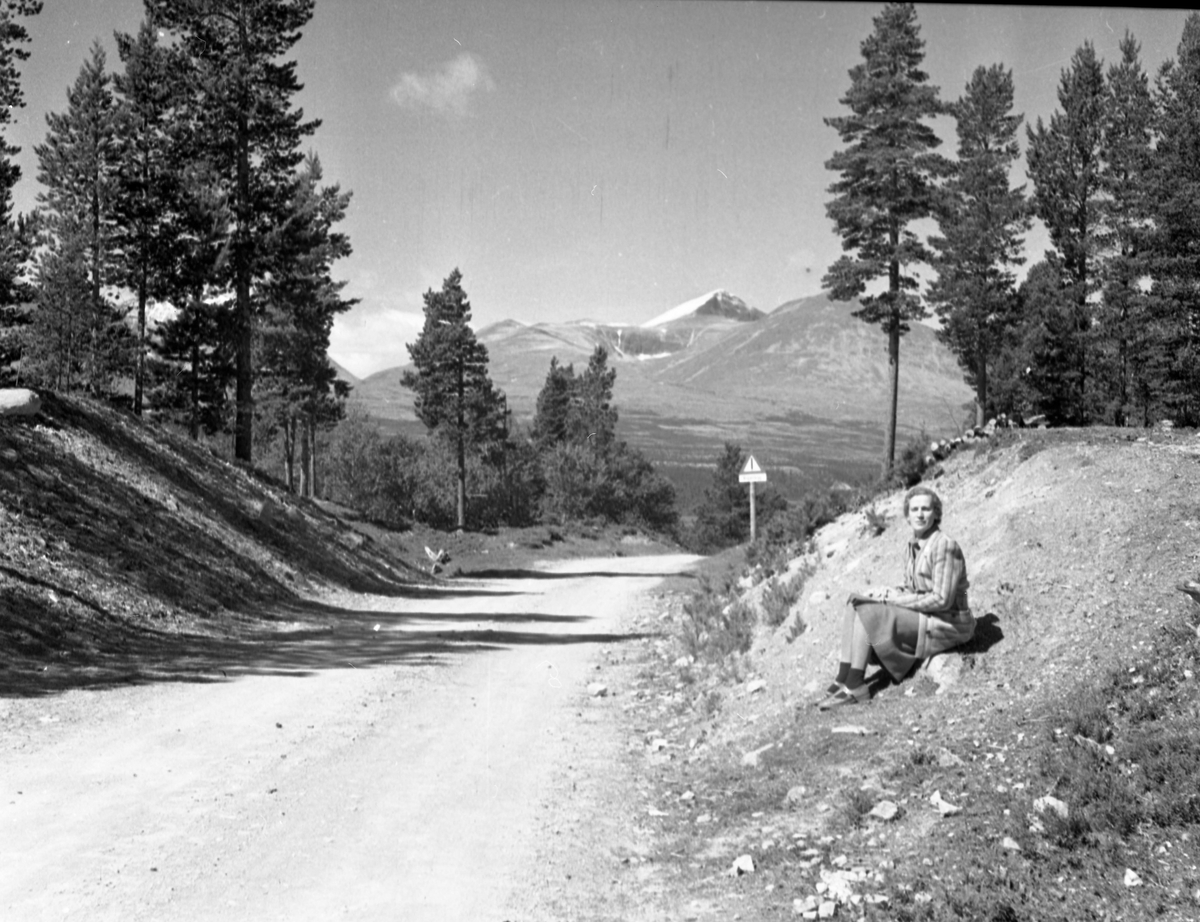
(449,90)
(365,341)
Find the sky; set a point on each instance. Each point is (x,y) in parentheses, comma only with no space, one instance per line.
(597,160)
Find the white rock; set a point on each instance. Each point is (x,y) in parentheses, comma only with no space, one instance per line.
(945,670)
(660,743)
(683,661)
(851,730)
(945,808)
(1042,804)
(756,686)
(947,759)
(1131,878)
(743,864)
(19,401)
(597,690)
(1010,843)
(750,759)
(826,910)
(884,810)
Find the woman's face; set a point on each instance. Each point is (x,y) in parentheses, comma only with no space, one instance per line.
(920,514)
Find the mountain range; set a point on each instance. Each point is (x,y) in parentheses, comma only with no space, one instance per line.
(802,388)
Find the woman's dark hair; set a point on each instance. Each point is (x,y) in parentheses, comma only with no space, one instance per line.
(935,500)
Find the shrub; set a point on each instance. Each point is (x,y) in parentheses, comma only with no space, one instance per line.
(914,458)
(858,803)
(783,593)
(713,627)
(876,522)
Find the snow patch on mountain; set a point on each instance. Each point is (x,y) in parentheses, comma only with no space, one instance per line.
(684,309)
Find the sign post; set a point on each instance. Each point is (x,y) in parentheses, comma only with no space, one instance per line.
(750,475)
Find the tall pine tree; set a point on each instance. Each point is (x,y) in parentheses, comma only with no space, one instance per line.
(1065,164)
(982,223)
(77,166)
(149,232)
(302,301)
(16,234)
(455,397)
(251,133)
(1123,339)
(1174,262)
(889,175)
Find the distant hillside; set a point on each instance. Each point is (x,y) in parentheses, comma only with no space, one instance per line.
(804,387)
(814,356)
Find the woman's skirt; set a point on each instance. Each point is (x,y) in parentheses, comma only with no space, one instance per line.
(900,637)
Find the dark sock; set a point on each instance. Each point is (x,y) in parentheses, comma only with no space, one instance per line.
(854,678)
(843,671)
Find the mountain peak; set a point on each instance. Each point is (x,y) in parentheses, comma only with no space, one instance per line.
(717,303)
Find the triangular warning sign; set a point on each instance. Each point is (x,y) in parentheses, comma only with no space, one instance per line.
(751,466)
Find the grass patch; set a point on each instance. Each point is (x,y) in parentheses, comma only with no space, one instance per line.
(1122,754)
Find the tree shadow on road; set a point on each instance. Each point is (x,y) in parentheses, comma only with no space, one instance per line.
(302,639)
(577,574)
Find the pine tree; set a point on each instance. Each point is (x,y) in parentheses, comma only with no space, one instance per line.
(1173,261)
(594,419)
(1065,164)
(149,233)
(981,222)
(455,397)
(889,177)
(16,235)
(1121,319)
(553,408)
(1049,346)
(251,134)
(302,301)
(77,167)
(196,353)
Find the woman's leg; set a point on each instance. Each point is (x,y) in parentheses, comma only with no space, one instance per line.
(847,643)
(859,651)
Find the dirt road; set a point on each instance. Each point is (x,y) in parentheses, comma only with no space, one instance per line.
(404,759)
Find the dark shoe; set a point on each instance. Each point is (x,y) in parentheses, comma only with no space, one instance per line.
(845,696)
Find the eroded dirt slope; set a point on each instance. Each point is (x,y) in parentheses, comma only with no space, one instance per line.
(1074,542)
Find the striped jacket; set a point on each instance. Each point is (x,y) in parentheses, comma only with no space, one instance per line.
(935,583)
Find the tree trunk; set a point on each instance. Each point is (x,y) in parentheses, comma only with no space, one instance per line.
(893,331)
(244,425)
(980,382)
(462,448)
(289,454)
(139,372)
(312,458)
(194,422)
(96,313)
(305,460)
(889,459)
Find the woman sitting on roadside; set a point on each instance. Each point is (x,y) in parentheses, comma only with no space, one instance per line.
(900,626)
